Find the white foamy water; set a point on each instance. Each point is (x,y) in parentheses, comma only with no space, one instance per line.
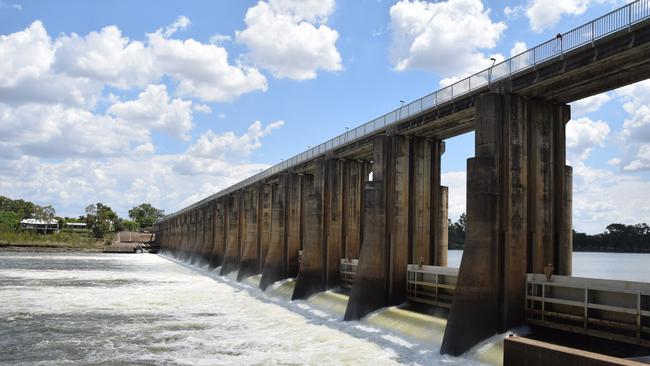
(147,310)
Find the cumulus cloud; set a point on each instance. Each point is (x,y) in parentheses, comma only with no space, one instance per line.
(636,127)
(73,69)
(55,131)
(457,184)
(582,136)
(290,38)
(589,104)
(544,14)
(518,48)
(153,109)
(445,37)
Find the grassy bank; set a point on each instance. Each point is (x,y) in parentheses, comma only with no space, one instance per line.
(61,240)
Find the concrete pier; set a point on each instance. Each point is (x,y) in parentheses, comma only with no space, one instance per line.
(249,259)
(515,214)
(233,236)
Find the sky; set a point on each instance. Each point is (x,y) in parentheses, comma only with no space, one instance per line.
(167,102)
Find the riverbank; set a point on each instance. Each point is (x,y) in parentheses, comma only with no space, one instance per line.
(50,247)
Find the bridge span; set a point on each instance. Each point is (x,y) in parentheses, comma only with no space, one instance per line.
(322,218)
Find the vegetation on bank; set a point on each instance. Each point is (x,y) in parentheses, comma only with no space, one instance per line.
(616,238)
(102,222)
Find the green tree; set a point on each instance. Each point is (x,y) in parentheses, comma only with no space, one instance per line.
(146,215)
(100,219)
(9,221)
(45,214)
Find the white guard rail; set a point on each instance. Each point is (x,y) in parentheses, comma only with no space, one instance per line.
(431,285)
(616,310)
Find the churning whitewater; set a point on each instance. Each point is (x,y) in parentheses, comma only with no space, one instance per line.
(150,310)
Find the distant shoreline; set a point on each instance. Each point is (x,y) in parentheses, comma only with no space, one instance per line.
(32,247)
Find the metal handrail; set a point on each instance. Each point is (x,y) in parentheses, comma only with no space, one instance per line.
(607,24)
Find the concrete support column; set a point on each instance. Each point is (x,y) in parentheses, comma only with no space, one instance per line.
(248,264)
(354,178)
(294,223)
(275,265)
(381,273)
(206,248)
(333,211)
(231,256)
(312,276)
(441,246)
(265,207)
(520,157)
(219,246)
(566,237)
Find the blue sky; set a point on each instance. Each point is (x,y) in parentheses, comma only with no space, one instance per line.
(165,102)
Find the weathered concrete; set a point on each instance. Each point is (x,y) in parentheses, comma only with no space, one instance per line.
(333,212)
(248,263)
(312,274)
(232,253)
(370,286)
(264,232)
(275,265)
(219,247)
(515,214)
(566,237)
(294,221)
(355,175)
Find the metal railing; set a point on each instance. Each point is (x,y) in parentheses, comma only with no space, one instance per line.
(431,285)
(348,271)
(607,24)
(616,310)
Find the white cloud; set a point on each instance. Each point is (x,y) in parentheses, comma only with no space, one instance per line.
(636,128)
(181,23)
(73,69)
(202,70)
(228,145)
(518,48)
(601,197)
(589,104)
(290,38)
(544,14)
(582,136)
(154,110)
(202,108)
(219,38)
(512,12)
(457,184)
(444,37)
(55,131)
(105,56)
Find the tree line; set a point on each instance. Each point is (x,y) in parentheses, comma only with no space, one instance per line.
(616,238)
(100,219)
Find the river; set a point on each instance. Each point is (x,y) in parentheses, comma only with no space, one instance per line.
(99,309)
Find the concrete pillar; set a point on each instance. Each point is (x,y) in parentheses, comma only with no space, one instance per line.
(370,286)
(219,246)
(294,223)
(442,230)
(354,173)
(312,274)
(422,202)
(399,223)
(566,239)
(265,207)
(520,157)
(231,256)
(275,265)
(206,249)
(248,264)
(333,211)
